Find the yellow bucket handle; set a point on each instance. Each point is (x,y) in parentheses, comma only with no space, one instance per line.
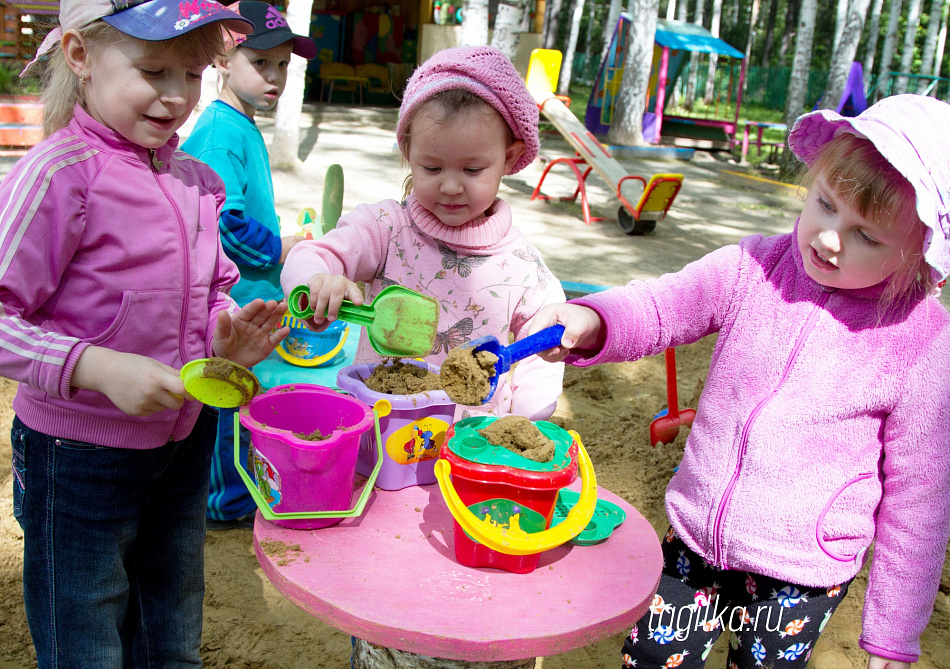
(524,544)
(312,362)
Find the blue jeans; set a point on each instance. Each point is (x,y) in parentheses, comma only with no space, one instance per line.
(113,551)
(228,497)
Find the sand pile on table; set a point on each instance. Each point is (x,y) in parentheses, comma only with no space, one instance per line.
(519,435)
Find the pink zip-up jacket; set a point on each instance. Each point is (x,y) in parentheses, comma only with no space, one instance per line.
(487,279)
(106,243)
(822,427)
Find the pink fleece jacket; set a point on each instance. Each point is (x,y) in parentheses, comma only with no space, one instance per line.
(487,279)
(823,427)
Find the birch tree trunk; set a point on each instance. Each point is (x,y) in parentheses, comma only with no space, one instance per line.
(671,10)
(844,54)
(910,41)
(874,28)
(690,96)
(613,15)
(552,11)
(475,23)
(889,48)
(286,142)
(564,83)
(930,43)
(753,18)
(791,21)
(941,38)
(507,31)
(801,64)
(841,16)
(769,34)
(713,58)
(682,9)
(626,129)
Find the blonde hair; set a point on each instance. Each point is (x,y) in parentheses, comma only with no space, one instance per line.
(450,103)
(868,183)
(62,89)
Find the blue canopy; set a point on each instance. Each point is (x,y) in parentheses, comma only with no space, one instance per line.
(684,36)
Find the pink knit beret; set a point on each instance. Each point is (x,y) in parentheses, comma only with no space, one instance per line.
(486,72)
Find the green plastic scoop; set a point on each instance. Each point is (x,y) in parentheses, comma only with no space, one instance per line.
(399,322)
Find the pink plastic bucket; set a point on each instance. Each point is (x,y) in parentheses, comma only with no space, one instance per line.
(296,475)
(412,433)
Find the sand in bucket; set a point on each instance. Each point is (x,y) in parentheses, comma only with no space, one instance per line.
(416,427)
(305,439)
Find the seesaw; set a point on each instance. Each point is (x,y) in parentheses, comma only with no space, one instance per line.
(639,213)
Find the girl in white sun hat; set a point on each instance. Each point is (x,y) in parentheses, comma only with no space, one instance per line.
(112,278)
(824,424)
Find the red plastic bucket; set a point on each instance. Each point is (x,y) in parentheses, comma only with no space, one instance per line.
(479,482)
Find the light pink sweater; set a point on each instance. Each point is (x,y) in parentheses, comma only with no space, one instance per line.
(487,279)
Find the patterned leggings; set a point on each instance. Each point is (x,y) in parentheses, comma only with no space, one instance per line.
(773,623)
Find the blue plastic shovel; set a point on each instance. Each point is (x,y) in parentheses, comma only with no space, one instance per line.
(508,355)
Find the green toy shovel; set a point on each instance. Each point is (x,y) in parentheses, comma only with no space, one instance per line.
(399,322)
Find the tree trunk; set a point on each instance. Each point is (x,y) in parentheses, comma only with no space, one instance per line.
(286,142)
(930,42)
(801,64)
(841,16)
(508,28)
(890,46)
(874,28)
(941,38)
(682,9)
(626,129)
(613,15)
(564,83)
(671,10)
(844,54)
(910,41)
(791,20)
(690,96)
(753,17)
(552,11)
(370,656)
(713,58)
(475,23)
(769,34)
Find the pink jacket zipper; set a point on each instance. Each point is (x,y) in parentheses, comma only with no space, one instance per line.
(718,557)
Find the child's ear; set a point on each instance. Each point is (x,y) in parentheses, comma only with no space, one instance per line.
(76,52)
(513,153)
(222,65)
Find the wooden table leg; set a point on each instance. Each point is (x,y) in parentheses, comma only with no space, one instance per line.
(370,656)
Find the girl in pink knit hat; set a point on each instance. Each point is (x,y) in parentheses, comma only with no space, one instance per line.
(466,121)
(824,424)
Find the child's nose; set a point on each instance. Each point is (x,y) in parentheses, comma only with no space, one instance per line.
(451,185)
(830,240)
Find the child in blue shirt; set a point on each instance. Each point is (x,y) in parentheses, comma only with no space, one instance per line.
(225,137)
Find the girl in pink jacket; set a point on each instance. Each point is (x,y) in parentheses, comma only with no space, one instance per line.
(112,277)
(824,424)
(466,120)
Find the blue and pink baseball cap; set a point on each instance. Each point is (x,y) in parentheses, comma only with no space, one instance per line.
(150,20)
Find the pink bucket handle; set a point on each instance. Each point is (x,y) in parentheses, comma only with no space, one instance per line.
(380,409)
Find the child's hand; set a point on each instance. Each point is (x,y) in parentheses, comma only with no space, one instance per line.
(251,334)
(138,385)
(287,243)
(327,291)
(583,329)
(875,662)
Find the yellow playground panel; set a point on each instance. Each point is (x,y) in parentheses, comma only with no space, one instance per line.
(640,210)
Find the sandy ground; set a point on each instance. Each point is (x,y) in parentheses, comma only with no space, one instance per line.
(248,624)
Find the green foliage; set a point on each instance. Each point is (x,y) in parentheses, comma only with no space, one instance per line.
(10,82)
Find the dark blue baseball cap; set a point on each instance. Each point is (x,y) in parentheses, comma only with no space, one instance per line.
(156,20)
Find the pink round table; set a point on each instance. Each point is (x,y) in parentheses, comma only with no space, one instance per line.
(390,577)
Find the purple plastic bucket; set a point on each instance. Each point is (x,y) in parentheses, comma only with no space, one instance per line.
(412,433)
(298,475)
